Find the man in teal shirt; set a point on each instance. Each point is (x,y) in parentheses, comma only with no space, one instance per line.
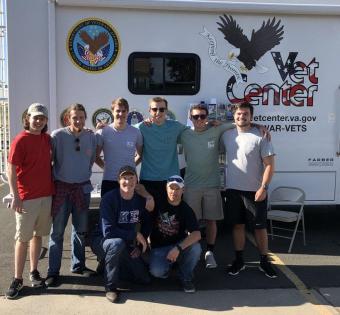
(159,159)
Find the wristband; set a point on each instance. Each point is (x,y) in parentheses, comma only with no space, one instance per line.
(180,249)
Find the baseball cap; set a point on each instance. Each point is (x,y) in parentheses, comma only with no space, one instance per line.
(127,169)
(176,180)
(37,109)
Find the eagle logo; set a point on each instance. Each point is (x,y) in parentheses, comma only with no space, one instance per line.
(96,49)
(93,45)
(249,52)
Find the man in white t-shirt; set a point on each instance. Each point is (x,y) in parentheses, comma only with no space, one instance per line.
(121,143)
(250,160)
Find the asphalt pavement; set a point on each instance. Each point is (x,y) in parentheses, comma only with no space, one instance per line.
(308,282)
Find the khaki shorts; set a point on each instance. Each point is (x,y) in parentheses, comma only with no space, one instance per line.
(36,221)
(206,202)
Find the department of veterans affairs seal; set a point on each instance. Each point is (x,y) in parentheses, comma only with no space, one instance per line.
(93,45)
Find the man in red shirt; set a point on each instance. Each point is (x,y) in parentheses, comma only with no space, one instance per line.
(30,182)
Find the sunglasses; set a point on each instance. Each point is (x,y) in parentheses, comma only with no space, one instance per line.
(161,109)
(202,117)
(175,179)
(77,141)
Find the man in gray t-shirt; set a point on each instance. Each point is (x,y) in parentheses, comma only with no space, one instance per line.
(74,152)
(122,145)
(250,161)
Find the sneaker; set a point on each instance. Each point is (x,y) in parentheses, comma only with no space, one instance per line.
(236,267)
(14,289)
(112,296)
(36,280)
(52,281)
(267,268)
(85,272)
(210,261)
(188,286)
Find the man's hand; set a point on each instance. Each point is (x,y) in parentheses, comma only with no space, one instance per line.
(100,125)
(136,252)
(17,205)
(173,254)
(150,203)
(148,122)
(141,240)
(265,133)
(261,194)
(215,123)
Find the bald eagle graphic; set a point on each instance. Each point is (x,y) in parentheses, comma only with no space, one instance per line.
(96,49)
(250,51)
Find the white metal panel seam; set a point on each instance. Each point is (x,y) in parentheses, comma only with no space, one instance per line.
(263,7)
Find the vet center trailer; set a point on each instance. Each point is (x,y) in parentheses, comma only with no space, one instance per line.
(281,56)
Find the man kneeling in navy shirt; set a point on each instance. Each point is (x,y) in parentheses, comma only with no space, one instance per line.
(126,224)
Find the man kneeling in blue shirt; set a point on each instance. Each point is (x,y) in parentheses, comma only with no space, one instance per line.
(126,224)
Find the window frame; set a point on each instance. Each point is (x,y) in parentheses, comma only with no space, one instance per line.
(146,54)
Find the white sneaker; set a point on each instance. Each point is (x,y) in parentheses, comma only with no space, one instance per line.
(210,261)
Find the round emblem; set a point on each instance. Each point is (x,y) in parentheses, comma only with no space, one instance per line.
(134,118)
(102,115)
(93,45)
(63,118)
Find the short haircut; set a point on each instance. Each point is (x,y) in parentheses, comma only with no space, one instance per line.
(243,105)
(158,99)
(120,101)
(199,107)
(76,106)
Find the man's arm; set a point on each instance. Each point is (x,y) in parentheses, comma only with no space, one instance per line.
(268,173)
(12,181)
(192,238)
(99,161)
(138,155)
(150,202)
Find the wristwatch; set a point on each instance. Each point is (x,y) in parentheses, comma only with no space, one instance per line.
(180,249)
(265,186)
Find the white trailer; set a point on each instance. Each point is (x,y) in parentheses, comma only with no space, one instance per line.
(92,51)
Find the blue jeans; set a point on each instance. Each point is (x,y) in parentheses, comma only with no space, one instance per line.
(96,245)
(119,265)
(79,229)
(187,261)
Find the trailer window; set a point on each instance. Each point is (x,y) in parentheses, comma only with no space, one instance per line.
(164,73)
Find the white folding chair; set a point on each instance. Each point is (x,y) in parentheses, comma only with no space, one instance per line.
(287,196)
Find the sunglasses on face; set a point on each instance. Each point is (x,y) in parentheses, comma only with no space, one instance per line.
(161,109)
(175,179)
(77,141)
(196,117)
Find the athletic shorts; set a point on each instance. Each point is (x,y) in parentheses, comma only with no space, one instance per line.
(36,221)
(243,208)
(206,202)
